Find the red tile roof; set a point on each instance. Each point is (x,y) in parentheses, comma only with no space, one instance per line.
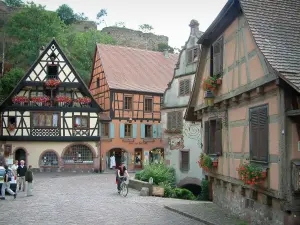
(136,69)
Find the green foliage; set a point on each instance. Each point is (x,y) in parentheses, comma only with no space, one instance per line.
(14,3)
(100,16)
(9,81)
(204,196)
(32,27)
(183,193)
(81,49)
(162,47)
(145,28)
(66,14)
(159,172)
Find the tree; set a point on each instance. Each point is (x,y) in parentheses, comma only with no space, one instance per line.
(120,24)
(66,14)
(100,15)
(80,17)
(32,27)
(9,81)
(162,47)
(146,28)
(14,3)
(81,49)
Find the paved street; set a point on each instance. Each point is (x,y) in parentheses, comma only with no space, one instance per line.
(86,199)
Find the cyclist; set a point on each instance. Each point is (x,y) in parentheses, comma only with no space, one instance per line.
(120,174)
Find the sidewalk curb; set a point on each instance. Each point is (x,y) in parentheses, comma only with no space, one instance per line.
(188,215)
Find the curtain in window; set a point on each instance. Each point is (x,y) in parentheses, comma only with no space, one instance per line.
(84,122)
(55,119)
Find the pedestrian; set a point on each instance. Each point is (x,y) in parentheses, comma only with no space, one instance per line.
(14,168)
(6,183)
(21,175)
(29,180)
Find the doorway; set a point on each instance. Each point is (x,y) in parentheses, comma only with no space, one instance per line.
(138,158)
(114,158)
(20,154)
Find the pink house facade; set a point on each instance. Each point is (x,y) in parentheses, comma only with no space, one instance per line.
(246,94)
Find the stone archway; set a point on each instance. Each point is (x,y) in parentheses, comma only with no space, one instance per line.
(21,153)
(191,183)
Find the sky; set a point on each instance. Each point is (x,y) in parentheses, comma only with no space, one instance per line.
(169,18)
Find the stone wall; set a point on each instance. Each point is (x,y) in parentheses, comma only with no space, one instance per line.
(256,209)
(135,39)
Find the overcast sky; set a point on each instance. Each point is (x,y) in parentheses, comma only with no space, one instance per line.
(169,18)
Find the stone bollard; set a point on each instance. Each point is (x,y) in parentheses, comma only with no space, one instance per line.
(144,191)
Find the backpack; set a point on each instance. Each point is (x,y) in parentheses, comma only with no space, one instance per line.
(9,175)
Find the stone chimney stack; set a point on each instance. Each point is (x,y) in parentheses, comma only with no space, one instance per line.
(194,27)
(41,50)
(166,53)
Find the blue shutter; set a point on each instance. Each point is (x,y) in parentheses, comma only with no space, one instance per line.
(158,131)
(111,130)
(122,130)
(142,130)
(134,127)
(154,131)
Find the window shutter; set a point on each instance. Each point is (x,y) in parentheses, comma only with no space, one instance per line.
(218,136)
(179,120)
(158,130)
(185,159)
(263,134)
(142,130)
(181,87)
(206,136)
(221,56)
(187,87)
(254,132)
(122,130)
(169,120)
(111,130)
(134,127)
(154,131)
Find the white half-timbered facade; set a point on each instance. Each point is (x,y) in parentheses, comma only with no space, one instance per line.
(50,119)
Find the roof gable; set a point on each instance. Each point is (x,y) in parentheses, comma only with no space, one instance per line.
(135,69)
(38,72)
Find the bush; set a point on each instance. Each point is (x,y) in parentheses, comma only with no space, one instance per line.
(137,175)
(159,172)
(183,193)
(169,191)
(204,196)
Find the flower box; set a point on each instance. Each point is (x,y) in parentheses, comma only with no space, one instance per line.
(251,174)
(215,163)
(83,100)
(20,100)
(40,99)
(63,100)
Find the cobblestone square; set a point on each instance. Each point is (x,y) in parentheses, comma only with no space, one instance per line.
(85,199)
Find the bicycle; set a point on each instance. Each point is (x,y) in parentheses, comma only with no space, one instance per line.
(123,186)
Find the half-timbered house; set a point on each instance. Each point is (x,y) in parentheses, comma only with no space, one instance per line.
(246,93)
(183,137)
(50,119)
(128,84)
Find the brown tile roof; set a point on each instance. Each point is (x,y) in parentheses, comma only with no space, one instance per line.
(136,69)
(275,26)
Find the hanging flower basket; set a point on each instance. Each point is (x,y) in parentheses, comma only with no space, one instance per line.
(20,100)
(205,162)
(251,174)
(83,100)
(42,99)
(52,83)
(63,99)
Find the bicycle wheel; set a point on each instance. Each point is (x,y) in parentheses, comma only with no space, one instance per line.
(124,189)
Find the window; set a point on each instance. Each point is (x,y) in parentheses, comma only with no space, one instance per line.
(52,71)
(45,119)
(128,103)
(192,55)
(49,159)
(148,105)
(216,57)
(81,121)
(12,120)
(259,133)
(213,136)
(105,130)
(148,131)
(98,82)
(174,120)
(185,160)
(184,87)
(128,130)
(78,154)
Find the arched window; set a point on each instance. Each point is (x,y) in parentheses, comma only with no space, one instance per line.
(49,159)
(78,154)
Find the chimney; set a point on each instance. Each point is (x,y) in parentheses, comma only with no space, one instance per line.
(194,28)
(41,50)
(166,53)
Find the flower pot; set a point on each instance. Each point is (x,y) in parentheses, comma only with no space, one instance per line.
(215,163)
(219,81)
(264,174)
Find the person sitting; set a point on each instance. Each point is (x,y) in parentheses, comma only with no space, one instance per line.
(120,174)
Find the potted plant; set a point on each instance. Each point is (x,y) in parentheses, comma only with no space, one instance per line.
(205,162)
(251,174)
(40,100)
(215,162)
(83,100)
(21,100)
(52,83)
(63,100)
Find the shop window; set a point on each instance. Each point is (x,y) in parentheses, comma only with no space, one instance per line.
(78,154)
(49,159)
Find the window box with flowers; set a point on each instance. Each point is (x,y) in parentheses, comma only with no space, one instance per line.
(20,100)
(52,83)
(251,174)
(63,100)
(84,101)
(207,162)
(40,100)
(209,85)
